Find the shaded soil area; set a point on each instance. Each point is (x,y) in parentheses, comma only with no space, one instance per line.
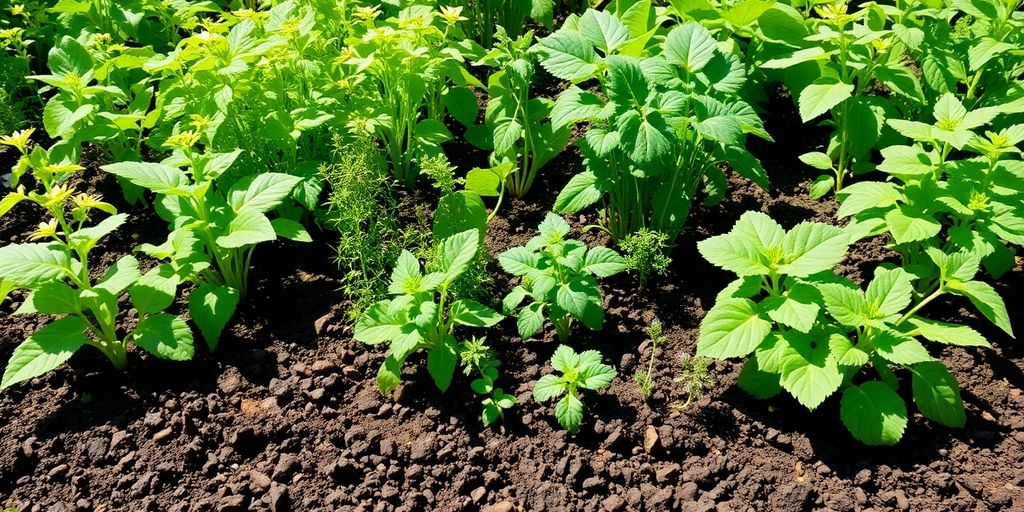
(286,415)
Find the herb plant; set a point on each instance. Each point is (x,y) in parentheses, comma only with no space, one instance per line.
(422,315)
(559,277)
(646,254)
(515,125)
(669,113)
(933,198)
(578,372)
(694,376)
(645,378)
(811,332)
(61,280)
(478,358)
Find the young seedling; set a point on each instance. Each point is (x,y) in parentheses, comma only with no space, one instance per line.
(559,276)
(694,376)
(578,371)
(421,314)
(645,379)
(478,358)
(646,254)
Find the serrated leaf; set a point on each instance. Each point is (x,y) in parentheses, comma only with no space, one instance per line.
(472,313)
(211,307)
(690,46)
(165,336)
(899,348)
(821,96)
(159,178)
(942,332)
(603,30)
(937,394)
(987,300)
(457,252)
(530,320)
(908,226)
(890,291)
(809,372)
(568,55)
(45,350)
(873,413)
(249,227)
(797,307)
(548,387)
(732,328)
(740,250)
(603,262)
(262,192)
(441,363)
(812,247)
(758,383)
(569,412)
(30,265)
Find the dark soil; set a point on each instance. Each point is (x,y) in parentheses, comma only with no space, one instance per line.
(287,415)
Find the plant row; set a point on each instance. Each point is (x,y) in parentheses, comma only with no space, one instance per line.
(243,125)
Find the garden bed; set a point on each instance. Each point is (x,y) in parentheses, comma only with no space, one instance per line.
(287,413)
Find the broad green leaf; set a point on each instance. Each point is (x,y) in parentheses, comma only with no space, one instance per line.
(907,225)
(55,298)
(457,212)
(809,372)
(987,300)
(797,307)
(899,348)
(159,178)
(873,413)
(758,383)
(507,131)
(569,412)
(472,313)
(847,305)
(866,195)
(845,353)
(30,265)
(483,182)
(821,96)
(603,30)
(69,57)
(291,230)
(441,363)
(575,105)
(890,291)
(942,332)
(811,247)
(690,46)
(406,276)
(249,227)
(154,292)
(649,137)
(262,192)
(211,307)
(568,55)
(383,321)
(603,262)
(457,252)
(732,328)
(389,375)
(45,350)
(548,387)
(530,320)
(595,375)
(821,186)
(461,104)
(937,394)
(10,200)
(741,250)
(518,261)
(565,359)
(579,193)
(817,159)
(165,336)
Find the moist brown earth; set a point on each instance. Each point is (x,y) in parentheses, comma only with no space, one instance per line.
(286,415)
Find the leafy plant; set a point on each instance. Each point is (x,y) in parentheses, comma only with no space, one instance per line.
(559,277)
(646,254)
(421,314)
(669,113)
(61,278)
(478,358)
(214,228)
(645,379)
(811,332)
(831,64)
(482,16)
(934,199)
(515,127)
(578,372)
(694,376)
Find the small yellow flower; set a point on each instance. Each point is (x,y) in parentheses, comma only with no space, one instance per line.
(832,11)
(45,230)
(183,140)
(452,15)
(18,139)
(199,122)
(17,10)
(882,44)
(57,195)
(979,202)
(366,13)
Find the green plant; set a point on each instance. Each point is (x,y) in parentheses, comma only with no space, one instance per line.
(514,124)
(668,115)
(646,254)
(831,64)
(403,68)
(214,228)
(695,377)
(811,332)
(931,198)
(559,277)
(578,372)
(62,279)
(422,315)
(482,16)
(478,358)
(645,379)
(441,172)
(362,208)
